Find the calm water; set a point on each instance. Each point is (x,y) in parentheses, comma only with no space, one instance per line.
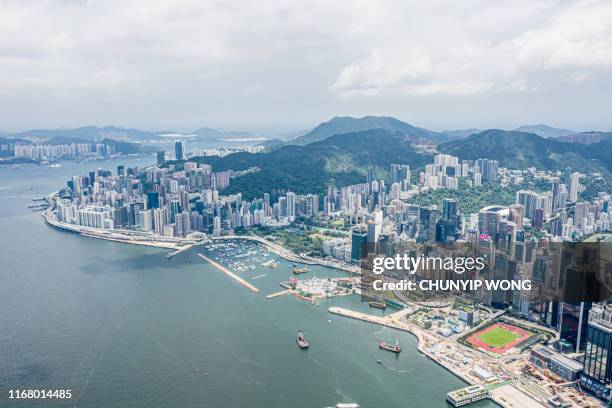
(123,326)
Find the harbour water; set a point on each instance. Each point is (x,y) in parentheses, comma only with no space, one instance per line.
(123,326)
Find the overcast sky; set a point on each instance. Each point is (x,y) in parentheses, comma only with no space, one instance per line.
(288,65)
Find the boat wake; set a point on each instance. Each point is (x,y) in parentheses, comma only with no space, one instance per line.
(393,369)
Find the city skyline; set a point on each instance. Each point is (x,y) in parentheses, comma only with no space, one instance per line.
(347,204)
(550,324)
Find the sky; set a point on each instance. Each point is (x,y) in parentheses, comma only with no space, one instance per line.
(275,66)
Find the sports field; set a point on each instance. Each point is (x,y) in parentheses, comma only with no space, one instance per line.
(499,337)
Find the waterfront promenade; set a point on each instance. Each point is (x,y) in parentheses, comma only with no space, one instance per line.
(179,245)
(117,235)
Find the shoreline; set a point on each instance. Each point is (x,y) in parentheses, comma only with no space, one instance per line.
(425,340)
(173,243)
(120,236)
(422,343)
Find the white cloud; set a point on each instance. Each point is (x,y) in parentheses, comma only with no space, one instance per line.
(191,60)
(497,52)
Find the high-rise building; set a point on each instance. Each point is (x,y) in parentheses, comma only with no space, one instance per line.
(572,324)
(488,169)
(375,226)
(556,195)
(359,241)
(159,220)
(567,174)
(152,199)
(516,214)
(427,223)
(531,201)
(538,219)
(217,226)
(574,186)
(489,219)
(446,227)
(396,189)
(399,173)
(179,150)
(597,374)
(291,206)
(161,158)
(145,220)
(449,209)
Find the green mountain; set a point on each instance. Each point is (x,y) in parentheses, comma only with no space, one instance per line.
(522,150)
(338,160)
(347,124)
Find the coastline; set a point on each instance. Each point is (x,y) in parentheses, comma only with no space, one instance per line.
(175,243)
(425,340)
(501,396)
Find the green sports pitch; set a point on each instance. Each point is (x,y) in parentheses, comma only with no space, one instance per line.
(498,337)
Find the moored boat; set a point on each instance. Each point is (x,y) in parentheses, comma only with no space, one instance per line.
(298,271)
(378,305)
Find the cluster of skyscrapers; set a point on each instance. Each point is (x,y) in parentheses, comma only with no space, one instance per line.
(41,152)
(175,200)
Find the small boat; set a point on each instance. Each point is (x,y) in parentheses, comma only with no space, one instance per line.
(389,347)
(378,305)
(347,405)
(297,271)
(301,341)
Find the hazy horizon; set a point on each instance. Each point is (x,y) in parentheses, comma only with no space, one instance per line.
(286,67)
(271,131)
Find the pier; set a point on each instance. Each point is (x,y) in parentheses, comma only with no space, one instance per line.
(178,251)
(228,273)
(276,294)
(467,395)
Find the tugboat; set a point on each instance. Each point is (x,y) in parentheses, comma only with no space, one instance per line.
(390,347)
(379,305)
(301,341)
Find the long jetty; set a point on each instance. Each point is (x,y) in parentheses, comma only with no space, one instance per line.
(276,294)
(228,273)
(178,251)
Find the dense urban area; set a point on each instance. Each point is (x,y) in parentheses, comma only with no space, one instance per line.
(512,346)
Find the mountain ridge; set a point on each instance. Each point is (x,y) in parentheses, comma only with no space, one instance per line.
(515,149)
(349,124)
(338,160)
